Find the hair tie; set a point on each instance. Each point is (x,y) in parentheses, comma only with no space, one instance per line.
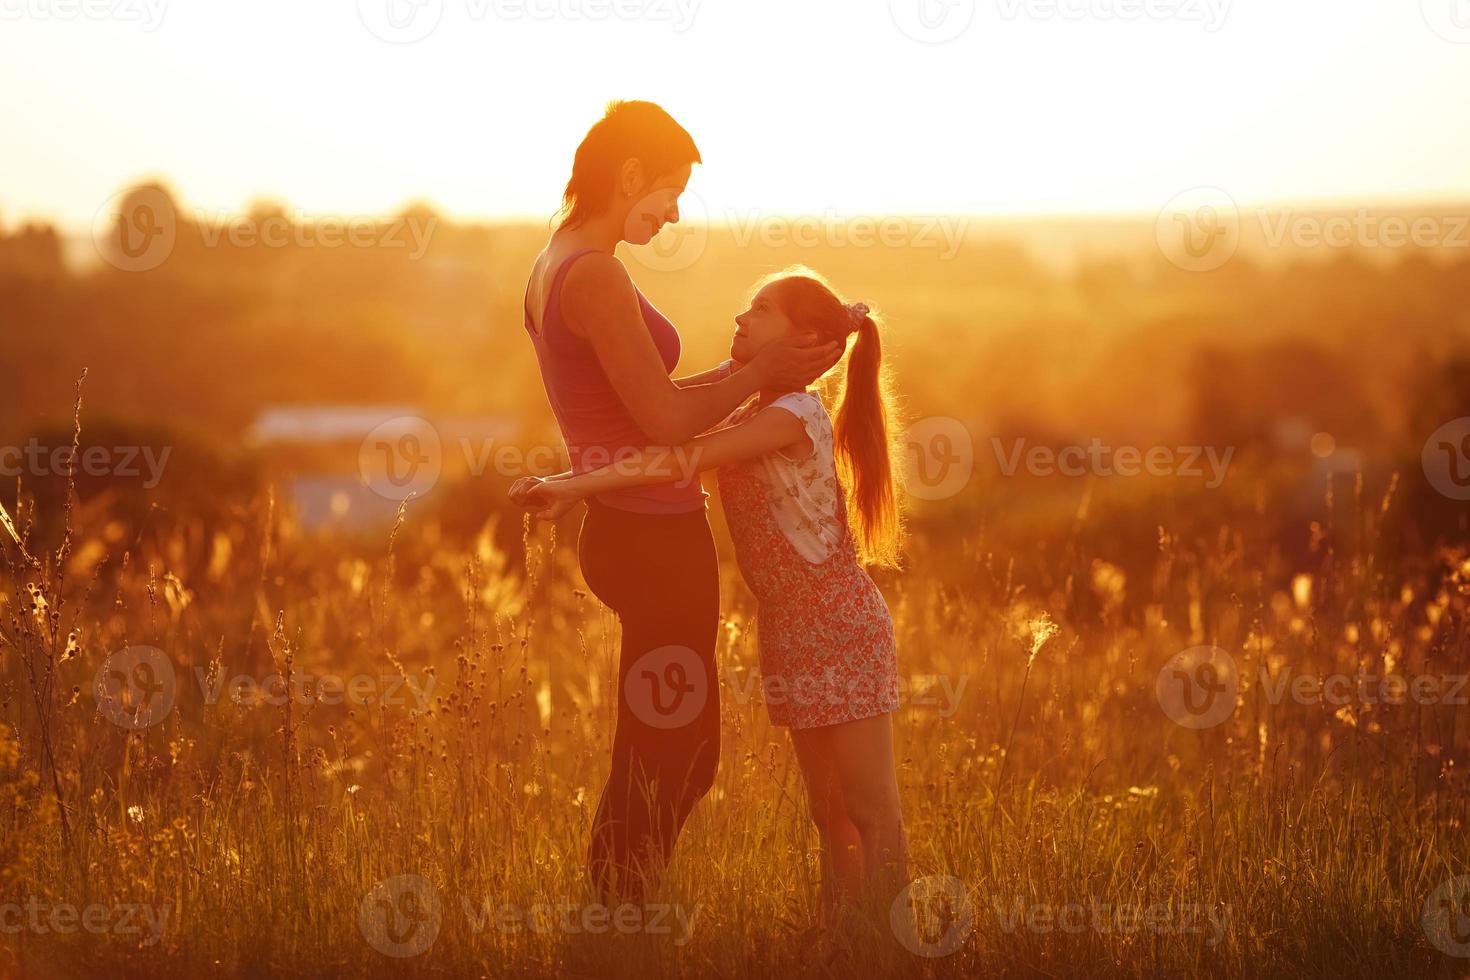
(858,312)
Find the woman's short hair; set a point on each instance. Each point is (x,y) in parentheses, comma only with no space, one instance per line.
(639,131)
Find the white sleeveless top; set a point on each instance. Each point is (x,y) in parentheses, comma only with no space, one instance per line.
(802,493)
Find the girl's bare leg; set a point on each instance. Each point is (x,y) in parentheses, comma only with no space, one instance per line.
(862,757)
(841,845)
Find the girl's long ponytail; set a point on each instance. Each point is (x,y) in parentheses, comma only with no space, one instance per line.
(864,456)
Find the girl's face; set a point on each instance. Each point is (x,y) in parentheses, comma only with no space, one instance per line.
(758,326)
(654,206)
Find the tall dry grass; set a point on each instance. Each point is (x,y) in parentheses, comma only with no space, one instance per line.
(1048,774)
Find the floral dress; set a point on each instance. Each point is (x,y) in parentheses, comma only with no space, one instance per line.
(825,635)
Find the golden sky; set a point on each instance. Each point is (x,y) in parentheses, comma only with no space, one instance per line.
(864,107)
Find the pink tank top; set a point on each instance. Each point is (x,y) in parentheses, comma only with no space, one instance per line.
(595,425)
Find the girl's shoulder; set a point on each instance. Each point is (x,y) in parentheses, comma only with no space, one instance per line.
(805,405)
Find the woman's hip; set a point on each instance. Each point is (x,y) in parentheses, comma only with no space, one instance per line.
(631,560)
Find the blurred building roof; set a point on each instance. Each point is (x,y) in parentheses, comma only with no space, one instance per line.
(335,423)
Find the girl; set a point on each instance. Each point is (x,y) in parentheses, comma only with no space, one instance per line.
(789,478)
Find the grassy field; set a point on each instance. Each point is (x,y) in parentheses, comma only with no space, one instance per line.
(419,804)
(231,744)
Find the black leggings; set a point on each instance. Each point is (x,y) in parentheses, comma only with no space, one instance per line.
(659,573)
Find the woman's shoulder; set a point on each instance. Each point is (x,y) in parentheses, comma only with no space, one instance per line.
(590,270)
(588,283)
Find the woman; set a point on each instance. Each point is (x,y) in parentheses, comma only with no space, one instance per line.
(606,357)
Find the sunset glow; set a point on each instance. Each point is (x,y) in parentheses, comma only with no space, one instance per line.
(1036,107)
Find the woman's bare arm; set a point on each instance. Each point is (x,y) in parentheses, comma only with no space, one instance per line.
(766,432)
(703,377)
(601,305)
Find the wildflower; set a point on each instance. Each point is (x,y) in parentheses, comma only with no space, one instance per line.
(1301,590)
(1041,629)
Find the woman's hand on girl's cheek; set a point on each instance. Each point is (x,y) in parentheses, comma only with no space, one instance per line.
(796,361)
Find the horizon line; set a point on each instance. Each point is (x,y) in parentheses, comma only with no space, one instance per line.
(1449,199)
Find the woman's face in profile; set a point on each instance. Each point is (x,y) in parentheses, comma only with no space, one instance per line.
(655,206)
